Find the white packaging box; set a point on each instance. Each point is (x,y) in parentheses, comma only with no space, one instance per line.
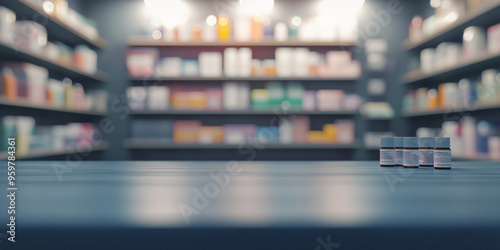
(244,96)
(210,64)
(494,38)
(286,131)
(231,62)
(169,67)
(468,126)
(300,62)
(280,32)
(36,78)
(7,25)
(474,42)
(242,28)
(209,33)
(346,131)
(284,62)
(158,98)
(231,95)
(244,62)
(185,32)
(427,60)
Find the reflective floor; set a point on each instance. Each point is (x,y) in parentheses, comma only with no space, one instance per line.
(266,205)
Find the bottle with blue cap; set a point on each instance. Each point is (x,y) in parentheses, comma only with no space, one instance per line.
(387,152)
(410,152)
(426,151)
(442,153)
(398,149)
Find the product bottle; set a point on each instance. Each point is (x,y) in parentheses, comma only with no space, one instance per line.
(224,28)
(426,151)
(9,85)
(387,152)
(410,152)
(398,148)
(442,153)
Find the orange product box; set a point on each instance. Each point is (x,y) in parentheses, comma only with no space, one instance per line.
(186,132)
(330,133)
(316,137)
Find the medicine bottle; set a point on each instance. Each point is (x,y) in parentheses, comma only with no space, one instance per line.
(426,151)
(442,153)
(410,152)
(387,152)
(398,149)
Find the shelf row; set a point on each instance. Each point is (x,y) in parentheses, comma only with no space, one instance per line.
(28,105)
(8,51)
(142,41)
(478,17)
(165,144)
(60,30)
(245,79)
(446,111)
(460,70)
(42,154)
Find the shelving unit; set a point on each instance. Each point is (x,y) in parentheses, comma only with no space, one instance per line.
(142,41)
(243,112)
(245,79)
(45,154)
(445,111)
(59,30)
(163,144)
(453,31)
(28,105)
(484,16)
(455,72)
(17,54)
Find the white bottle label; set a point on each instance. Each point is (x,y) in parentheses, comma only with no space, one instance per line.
(387,157)
(399,157)
(442,158)
(410,157)
(426,157)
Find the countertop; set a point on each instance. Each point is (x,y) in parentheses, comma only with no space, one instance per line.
(249,205)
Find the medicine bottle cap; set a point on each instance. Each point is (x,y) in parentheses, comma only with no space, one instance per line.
(410,142)
(398,142)
(386,142)
(425,142)
(442,142)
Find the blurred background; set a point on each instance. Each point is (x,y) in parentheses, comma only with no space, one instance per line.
(246,80)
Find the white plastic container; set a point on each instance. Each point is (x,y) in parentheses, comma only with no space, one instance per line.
(7,25)
(474,42)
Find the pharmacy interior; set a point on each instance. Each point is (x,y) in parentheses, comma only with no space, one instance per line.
(265,109)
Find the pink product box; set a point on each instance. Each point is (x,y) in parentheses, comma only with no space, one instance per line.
(214,99)
(346,131)
(141,62)
(329,100)
(351,102)
(239,134)
(301,127)
(309,101)
(494,38)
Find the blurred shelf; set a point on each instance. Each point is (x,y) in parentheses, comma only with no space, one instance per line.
(462,69)
(144,41)
(241,112)
(446,111)
(377,118)
(246,79)
(57,29)
(28,105)
(11,53)
(41,154)
(484,16)
(472,158)
(165,144)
